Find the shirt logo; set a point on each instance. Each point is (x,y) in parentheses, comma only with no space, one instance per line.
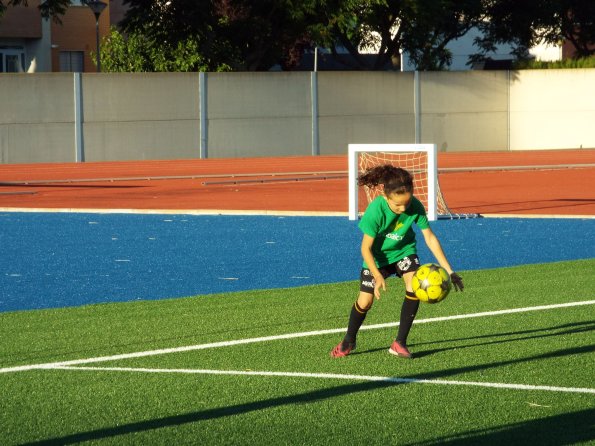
(394,236)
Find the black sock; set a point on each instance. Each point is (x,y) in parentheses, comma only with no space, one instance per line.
(408,312)
(356,319)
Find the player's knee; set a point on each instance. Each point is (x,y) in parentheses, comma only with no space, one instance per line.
(365,301)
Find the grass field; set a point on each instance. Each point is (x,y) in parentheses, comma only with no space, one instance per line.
(253,367)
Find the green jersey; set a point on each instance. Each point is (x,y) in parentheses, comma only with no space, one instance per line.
(394,237)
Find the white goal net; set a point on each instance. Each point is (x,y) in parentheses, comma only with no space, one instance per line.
(419,159)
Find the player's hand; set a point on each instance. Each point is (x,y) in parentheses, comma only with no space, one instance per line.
(457,282)
(378,284)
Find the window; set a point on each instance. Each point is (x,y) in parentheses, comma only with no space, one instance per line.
(71,61)
(12,60)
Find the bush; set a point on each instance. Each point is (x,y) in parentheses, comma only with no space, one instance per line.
(584,62)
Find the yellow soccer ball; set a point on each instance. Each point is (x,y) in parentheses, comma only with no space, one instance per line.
(431,283)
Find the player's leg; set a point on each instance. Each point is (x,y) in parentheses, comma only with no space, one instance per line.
(406,269)
(357,316)
(359,310)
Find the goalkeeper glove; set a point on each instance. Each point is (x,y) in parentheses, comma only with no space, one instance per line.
(457,281)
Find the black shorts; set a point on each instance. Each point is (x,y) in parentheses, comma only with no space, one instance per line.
(405,265)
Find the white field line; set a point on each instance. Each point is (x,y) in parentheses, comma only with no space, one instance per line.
(188,348)
(242,212)
(387,379)
(255,212)
(559,216)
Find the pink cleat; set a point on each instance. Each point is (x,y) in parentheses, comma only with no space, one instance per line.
(338,351)
(400,350)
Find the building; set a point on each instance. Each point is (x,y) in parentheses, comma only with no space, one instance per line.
(30,43)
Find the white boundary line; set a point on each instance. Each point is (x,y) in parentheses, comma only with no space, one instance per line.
(53,365)
(255,212)
(199,212)
(537,216)
(387,379)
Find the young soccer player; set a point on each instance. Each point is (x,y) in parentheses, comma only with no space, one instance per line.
(389,247)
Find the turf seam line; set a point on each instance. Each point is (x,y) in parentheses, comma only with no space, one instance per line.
(387,379)
(187,348)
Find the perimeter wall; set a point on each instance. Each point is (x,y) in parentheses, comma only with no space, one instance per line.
(68,117)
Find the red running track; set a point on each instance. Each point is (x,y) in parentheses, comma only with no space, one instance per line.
(553,183)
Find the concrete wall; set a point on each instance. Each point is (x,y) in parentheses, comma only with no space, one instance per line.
(369,107)
(551,109)
(465,110)
(140,116)
(219,115)
(36,118)
(258,114)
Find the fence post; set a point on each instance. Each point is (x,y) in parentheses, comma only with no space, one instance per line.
(314,104)
(79,148)
(417,106)
(202,111)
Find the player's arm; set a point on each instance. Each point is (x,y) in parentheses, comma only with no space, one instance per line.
(368,257)
(436,249)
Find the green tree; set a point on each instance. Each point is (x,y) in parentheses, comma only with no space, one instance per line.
(432,25)
(247,35)
(137,53)
(422,28)
(370,26)
(241,34)
(526,24)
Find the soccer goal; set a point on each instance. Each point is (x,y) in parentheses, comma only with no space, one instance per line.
(419,159)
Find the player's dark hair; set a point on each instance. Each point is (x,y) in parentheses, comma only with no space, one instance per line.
(394,179)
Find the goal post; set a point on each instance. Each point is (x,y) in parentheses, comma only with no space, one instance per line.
(419,159)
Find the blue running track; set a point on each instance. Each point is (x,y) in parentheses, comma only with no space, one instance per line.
(50,260)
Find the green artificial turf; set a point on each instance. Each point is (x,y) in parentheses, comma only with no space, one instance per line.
(307,397)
